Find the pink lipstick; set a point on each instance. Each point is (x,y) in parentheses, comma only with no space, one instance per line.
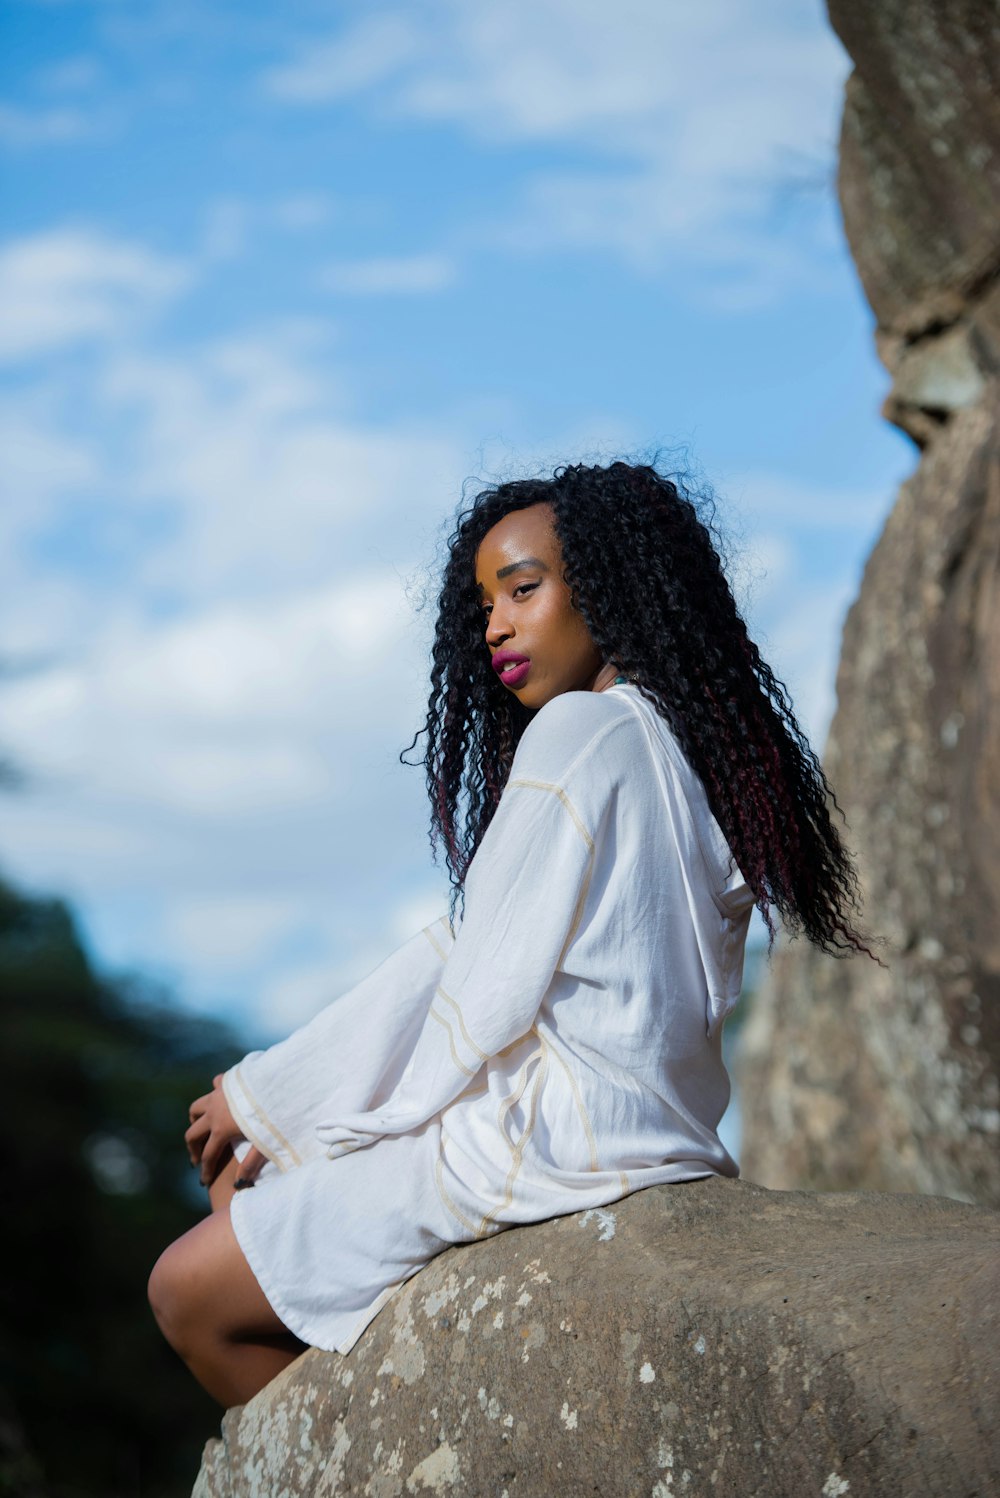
(511,667)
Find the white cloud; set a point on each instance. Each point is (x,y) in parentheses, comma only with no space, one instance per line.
(43,465)
(39,460)
(795,609)
(293,996)
(235,767)
(696,120)
(70,75)
(67,286)
(213,738)
(272,488)
(20,128)
(803,647)
(390,275)
(641,79)
(414,913)
(323,72)
(221,710)
(227,228)
(229,933)
(773,498)
(233,224)
(303,211)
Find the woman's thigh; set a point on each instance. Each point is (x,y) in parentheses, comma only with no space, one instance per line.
(203,1282)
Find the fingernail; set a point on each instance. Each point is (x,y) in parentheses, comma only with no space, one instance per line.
(242,1185)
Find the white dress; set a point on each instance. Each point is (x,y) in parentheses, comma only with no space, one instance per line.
(560,1051)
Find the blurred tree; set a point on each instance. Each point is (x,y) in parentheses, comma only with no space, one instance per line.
(96,1078)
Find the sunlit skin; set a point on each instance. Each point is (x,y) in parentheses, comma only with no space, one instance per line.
(208,1304)
(528,610)
(203,1293)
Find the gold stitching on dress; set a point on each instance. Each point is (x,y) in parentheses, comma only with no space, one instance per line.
(577,912)
(557,790)
(483,1055)
(521,1144)
(582,1110)
(470,1071)
(439,1182)
(513,1098)
(479,1085)
(279,1136)
(436,945)
(455,1144)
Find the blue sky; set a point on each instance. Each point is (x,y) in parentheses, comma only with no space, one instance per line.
(275,283)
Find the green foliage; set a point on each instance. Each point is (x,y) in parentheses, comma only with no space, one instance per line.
(96,1082)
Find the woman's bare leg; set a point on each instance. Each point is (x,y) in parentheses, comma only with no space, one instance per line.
(214,1314)
(221,1191)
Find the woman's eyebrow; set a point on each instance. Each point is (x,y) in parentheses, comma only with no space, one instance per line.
(525,562)
(513,567)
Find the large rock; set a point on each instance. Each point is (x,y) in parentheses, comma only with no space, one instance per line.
(709,1339)
(855,1075)
(920,194)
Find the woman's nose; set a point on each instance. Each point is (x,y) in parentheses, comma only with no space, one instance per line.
(497,627)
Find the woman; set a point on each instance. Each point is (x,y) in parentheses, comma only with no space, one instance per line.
(616,778)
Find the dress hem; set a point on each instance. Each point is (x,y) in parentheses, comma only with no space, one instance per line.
(288,1318)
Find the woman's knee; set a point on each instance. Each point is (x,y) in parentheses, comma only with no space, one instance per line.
(166,1293)
(202,1290)
(175,1294)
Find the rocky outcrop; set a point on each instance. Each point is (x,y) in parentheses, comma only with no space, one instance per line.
(920,193)
(854,1075)
(714,1338)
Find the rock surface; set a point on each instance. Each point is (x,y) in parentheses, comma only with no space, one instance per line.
(855,1076)
(714,1338)
(920,194)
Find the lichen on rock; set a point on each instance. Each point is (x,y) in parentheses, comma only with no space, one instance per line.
(725,1340)
(856,1076)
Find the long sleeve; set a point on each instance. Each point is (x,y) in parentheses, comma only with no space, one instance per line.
(524,897)
(352,1052)
(552,1056)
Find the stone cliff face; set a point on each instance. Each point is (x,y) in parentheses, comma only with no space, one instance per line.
(853,1075)
(709,1338)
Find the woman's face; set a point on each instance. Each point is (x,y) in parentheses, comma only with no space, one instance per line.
(532,629)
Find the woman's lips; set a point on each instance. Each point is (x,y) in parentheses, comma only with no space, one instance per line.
(514,674)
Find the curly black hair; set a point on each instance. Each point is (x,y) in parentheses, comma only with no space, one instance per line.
(644,570)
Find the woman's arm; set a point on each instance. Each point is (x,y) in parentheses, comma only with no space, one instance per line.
(350,1055)
(524,898)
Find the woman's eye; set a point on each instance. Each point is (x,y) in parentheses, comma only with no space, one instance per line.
(522,588)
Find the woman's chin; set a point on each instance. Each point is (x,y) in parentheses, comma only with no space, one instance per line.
(534,695)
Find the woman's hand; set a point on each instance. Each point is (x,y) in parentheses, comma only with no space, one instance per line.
(211,1136)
